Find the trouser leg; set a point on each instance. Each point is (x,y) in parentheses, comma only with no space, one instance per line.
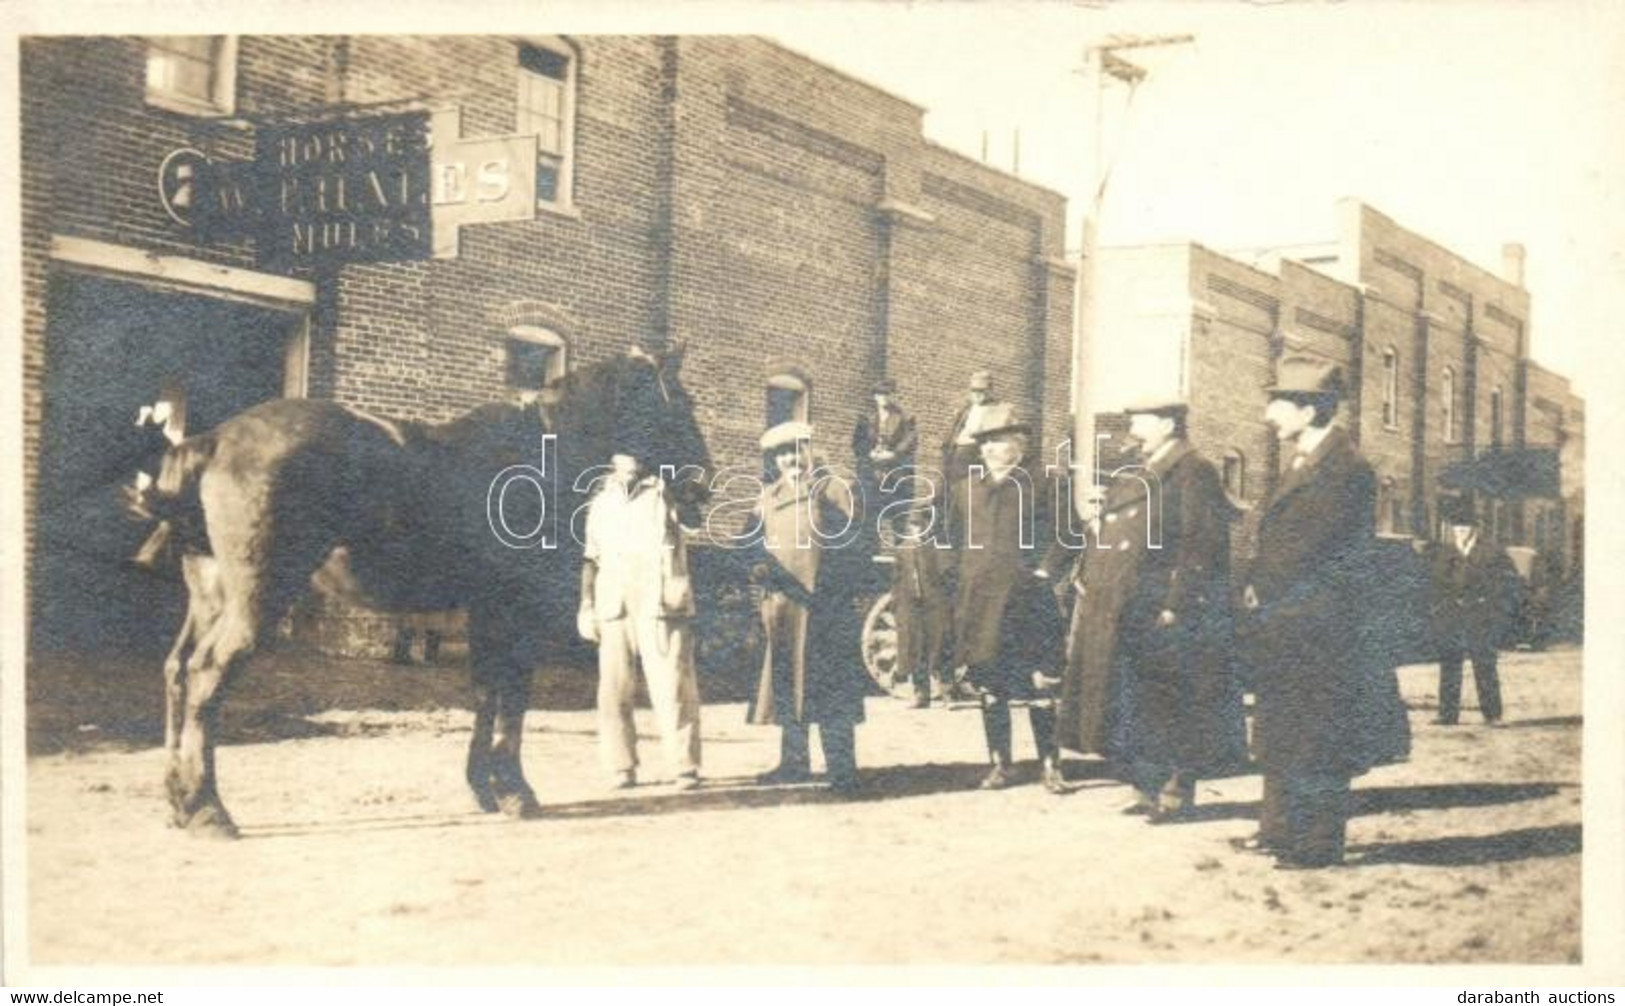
(617,734)
(839,742)
(668,665)
(1317,816)
(996,727)
(1272,825)
(1487,680)
(1041,715)
(793,755)
(1450,686)
(1149,777)
(1178,793)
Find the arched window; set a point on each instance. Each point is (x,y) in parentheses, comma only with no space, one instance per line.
(1447,392)
(789,396)
(1235,474)
(1390,388)
(546,107)
(1495,416)
(535,356)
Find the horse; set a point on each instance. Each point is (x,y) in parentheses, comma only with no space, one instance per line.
(403,517)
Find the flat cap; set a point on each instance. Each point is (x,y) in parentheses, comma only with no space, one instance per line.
(982,380)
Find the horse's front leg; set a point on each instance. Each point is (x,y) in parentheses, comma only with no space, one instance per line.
(479,771)
(513,793)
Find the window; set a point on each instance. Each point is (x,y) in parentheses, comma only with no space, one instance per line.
(547,108)
(787,398)
(196,74)
(1391,507)
(1447,392)
(535,357)
(1495,417)
(1235,474)
(1390,388)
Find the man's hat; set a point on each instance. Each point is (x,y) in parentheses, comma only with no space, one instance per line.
(982,380)
(1457,510)
(1157,405)
(1305,376)
(785,435)
(884,386)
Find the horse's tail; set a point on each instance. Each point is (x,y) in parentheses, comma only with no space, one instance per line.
(171,504)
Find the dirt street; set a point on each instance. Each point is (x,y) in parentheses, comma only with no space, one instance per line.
(362,846)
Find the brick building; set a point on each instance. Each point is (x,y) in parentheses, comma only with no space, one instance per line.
(788,223)
(1436,350)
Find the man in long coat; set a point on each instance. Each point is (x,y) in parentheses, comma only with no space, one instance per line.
(1150,681)
(812,669)
(1327,710)
(1007,627)
(1473,596)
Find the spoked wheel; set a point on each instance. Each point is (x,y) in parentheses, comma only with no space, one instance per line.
(880,647)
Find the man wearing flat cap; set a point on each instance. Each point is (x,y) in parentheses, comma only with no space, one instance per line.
(883,439)
(1007,626)
(1150,682)
(1473,599)
(1327,710)
(812,666)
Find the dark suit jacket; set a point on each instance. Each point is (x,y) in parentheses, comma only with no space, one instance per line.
(894,431)
(1474,596)
(1325,704)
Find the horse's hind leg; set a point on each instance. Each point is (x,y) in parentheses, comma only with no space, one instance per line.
(202,609)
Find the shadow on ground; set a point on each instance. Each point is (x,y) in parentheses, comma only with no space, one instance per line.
(1506,847)
(1398,799)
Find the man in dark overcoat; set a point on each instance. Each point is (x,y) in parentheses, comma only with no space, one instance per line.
(812,671)
(1326,709)
(1150,680)
(1474,594)
(1007,626)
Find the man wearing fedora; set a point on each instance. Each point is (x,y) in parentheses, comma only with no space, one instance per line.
(981,411)
(1472,603)
(1326,711)
(1150,681)
(1006,622)
(812,671)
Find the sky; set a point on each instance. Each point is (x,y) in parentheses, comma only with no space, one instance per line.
(1473,123)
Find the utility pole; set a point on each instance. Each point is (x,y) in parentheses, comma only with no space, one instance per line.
(1100,62)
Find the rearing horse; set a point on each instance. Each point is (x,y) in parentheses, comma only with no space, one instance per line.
(395,515)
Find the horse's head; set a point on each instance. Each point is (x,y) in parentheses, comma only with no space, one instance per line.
(636,404)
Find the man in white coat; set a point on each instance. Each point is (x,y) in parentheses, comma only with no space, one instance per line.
(637,604)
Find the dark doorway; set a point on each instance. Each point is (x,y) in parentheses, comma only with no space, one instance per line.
(111,348)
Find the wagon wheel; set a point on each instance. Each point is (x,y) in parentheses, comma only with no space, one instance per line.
(880,647)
